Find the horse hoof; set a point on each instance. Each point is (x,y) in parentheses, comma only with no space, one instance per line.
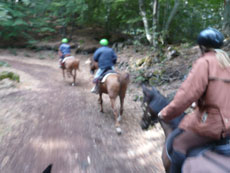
(118,130)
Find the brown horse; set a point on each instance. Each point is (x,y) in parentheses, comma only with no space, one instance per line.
(71,66)
(153,102)
(114,85)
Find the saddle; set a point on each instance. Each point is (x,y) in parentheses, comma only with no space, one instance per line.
(209,161)
(66,58)
(221,147)
(105,73)
(62,62)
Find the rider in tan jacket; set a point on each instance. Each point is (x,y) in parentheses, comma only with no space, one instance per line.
(208,84)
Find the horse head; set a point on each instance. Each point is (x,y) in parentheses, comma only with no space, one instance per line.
(152,104)
(93,66)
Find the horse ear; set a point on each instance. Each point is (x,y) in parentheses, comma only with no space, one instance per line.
(146,91)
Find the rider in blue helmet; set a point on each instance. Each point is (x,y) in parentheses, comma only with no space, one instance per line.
(63,51)
(106,59)
(208,84)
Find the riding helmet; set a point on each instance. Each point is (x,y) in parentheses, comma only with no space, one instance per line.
(64,40)
(104,42)
(210,38)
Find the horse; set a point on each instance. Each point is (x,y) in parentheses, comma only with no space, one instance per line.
(71,65)
(153,103)
(115,85)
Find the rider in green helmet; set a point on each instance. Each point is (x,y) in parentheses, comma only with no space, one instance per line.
(104,42)
(63,51)
(106,59)
(64,40)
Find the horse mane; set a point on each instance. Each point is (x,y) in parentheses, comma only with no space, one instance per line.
(163,101)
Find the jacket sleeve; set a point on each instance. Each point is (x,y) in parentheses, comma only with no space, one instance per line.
(191,90)
(97,55)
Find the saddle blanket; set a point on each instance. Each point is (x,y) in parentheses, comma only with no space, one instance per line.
(68,57)
(105,77)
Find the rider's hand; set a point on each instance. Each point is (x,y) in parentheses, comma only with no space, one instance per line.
(160,115)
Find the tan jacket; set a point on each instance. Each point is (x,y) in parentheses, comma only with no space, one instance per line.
(208,84)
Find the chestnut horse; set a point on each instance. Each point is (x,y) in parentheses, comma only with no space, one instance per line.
(114,85)
(152,104)
(71,66)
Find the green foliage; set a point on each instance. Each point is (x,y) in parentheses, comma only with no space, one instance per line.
(10,75)
(197,15)
(28,20)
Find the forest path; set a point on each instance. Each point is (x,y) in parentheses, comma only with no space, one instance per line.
(47,124)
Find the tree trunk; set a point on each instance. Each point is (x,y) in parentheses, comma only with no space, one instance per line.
(226,22)
(145,20)
(155,10)
(166,9)
(172,14)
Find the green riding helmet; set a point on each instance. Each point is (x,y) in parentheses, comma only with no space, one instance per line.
(104,42)
(64,40)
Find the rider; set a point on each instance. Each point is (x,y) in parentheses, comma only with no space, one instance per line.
(208,84)
(63,51)
(106,59)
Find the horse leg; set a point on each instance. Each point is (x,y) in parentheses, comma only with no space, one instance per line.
(68,71)
(117,124)
(121,108)
(122,98)
(63,73)
(74,77)
(101,102)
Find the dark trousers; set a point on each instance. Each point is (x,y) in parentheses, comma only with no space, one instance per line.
(182,143)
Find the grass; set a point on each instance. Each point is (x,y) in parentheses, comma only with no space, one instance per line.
(10,75)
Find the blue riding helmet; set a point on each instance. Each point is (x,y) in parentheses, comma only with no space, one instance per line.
(210,38)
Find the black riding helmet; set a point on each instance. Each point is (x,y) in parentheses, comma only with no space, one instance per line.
(210,38)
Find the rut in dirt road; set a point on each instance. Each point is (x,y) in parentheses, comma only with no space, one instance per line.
(55,126)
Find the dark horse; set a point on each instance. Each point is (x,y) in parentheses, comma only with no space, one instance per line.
(153,103)
(115,85)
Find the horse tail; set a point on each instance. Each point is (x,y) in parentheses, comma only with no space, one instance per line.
(124,81)
(77,64)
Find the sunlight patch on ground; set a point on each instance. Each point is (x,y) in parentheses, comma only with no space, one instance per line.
(146,148)
(49,144)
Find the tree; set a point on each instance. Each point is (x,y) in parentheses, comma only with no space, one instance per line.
(226,14)
(171,16)
(158,21)
(151,37)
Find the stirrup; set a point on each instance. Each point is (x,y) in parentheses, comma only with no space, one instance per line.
(94,90)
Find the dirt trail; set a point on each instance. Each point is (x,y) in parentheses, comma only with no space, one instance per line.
(47,123)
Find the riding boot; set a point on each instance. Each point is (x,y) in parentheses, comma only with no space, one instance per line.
(177,162)
(61,64)
(95,89)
